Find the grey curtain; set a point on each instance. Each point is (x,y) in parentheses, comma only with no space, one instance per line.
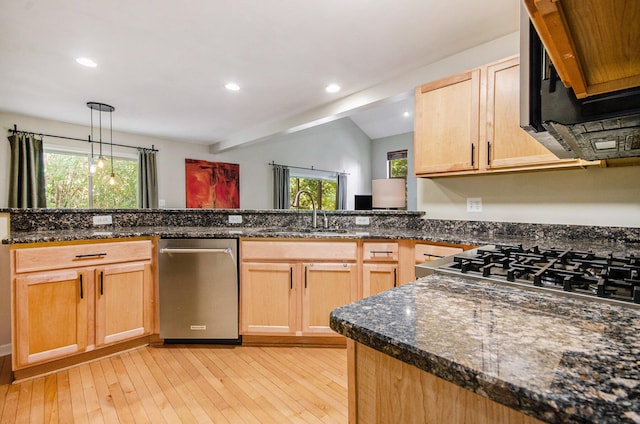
(342,191)
(281,197)
(26,174)
(147,179)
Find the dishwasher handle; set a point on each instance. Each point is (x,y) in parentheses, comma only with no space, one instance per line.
(195,250)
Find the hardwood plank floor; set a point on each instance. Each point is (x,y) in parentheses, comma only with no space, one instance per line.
(186,384)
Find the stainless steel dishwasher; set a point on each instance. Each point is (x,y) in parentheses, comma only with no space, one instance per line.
(198,281)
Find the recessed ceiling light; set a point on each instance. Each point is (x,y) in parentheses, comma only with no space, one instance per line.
(86,62)
(332,88)
(232,86)
(406,114)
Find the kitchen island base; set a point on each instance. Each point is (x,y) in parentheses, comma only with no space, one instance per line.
(383,389)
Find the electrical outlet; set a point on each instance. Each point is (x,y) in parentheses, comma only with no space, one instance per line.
(102,220)
(235,219)
(362,220)
(162,203)
(474,204)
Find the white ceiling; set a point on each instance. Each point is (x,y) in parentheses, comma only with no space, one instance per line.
(163,64)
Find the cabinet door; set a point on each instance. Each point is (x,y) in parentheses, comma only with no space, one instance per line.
(377,278)
(123,302)
(509,145)
(447,128)
(325,286)
(51,315)
(268,298)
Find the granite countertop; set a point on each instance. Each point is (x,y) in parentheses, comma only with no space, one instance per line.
(557,358)
(452,236)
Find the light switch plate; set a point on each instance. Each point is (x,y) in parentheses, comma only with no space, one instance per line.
(235,219)
(362,220)
(474,204)
(102,220)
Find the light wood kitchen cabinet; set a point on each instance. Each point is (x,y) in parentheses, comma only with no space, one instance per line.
(123,302)
(74,298)
(430,252)
(468,124)
(379,267)
(268,298)
(507,144)
(326,286)
(592,43)
(447,131)
(50,315)
(288,288)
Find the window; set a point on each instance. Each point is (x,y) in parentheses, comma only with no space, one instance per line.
(323,189)
(397,164)
(397,167)
(69,185)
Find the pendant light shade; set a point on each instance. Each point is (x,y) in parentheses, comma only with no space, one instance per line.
(101,107)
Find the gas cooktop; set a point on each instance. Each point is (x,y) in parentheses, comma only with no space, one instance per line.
(603,277)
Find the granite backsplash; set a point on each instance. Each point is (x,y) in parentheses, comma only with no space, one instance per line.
(63,219)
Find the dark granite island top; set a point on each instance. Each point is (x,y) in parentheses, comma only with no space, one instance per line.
(555,358)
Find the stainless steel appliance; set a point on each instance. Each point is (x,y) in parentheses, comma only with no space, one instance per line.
(603,277)
(198,281)
(605,126)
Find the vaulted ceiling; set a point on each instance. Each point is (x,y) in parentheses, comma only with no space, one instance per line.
(163,64)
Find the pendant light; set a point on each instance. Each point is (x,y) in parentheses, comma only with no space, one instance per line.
(102,107)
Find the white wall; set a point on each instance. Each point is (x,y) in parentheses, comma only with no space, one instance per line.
(379,149)
(171,154)
(593,196)
(337,146)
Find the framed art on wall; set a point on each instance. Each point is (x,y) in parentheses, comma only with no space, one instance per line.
(214,185)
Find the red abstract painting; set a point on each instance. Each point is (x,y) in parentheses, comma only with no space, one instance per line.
(214,185)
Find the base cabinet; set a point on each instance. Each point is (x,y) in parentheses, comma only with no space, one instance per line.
(379,267)
(51,316)
(123,302)
(72,299)
(295,298)
(326,287)
(268,298)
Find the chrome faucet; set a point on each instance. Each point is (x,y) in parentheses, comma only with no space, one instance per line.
(296,204)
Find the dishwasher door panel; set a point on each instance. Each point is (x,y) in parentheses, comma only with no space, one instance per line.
(198,281)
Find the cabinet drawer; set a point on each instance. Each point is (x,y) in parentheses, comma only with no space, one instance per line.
(298,250)
(378,251)
(69,256)
(429,252)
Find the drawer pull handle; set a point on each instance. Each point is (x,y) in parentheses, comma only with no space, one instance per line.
(91,255)
(432,255)
(382,252)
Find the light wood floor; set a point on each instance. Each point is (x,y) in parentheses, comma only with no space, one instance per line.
(186,384)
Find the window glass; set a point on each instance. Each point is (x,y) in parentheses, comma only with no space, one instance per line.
(323,190)
(397,166)
(70,185)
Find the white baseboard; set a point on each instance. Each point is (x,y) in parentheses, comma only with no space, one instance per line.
(5,349)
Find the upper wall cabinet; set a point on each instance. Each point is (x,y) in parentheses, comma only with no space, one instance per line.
(592,43)
(446,124)
(468,124)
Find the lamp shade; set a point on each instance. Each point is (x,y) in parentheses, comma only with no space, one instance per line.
(389,193)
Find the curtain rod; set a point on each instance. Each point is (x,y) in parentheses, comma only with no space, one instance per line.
(311,169)
(88,140)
